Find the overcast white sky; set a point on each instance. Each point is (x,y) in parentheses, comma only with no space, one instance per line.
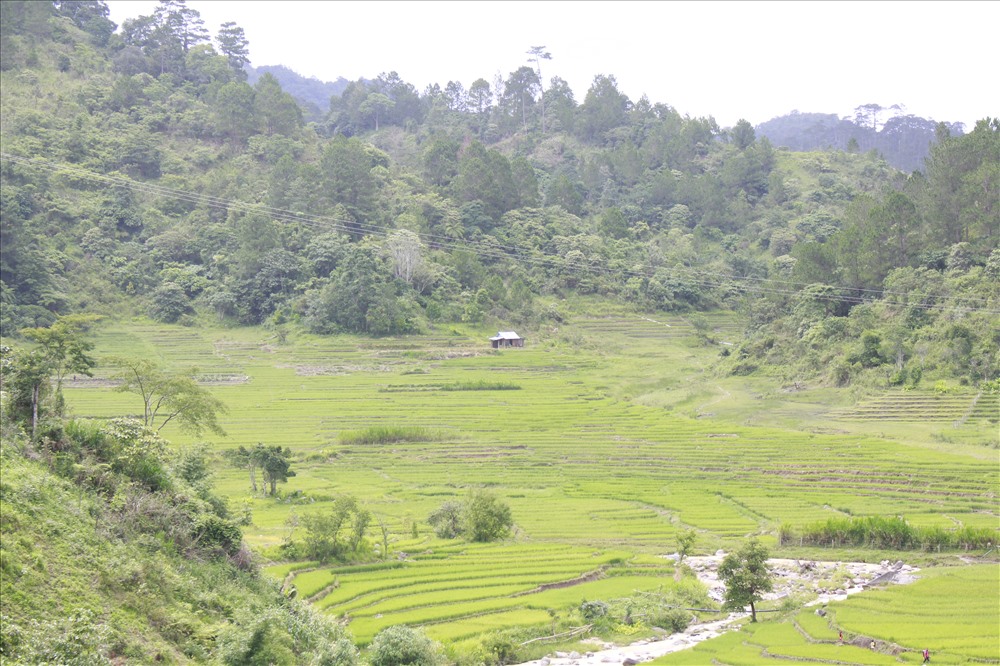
(730,60)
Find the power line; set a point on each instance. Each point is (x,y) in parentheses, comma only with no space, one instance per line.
(708,279)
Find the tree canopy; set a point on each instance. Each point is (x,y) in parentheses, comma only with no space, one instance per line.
(168,396)
(746,576)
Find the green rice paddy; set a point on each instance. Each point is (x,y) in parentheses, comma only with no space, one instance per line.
(950,611)
(615,439)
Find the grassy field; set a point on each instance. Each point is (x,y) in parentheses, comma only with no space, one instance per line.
(606,436)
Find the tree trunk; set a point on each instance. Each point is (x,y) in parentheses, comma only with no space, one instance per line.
(753,612)
(35,390)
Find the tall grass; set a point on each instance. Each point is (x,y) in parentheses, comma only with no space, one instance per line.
(894,533)
(481,385)
(389,435)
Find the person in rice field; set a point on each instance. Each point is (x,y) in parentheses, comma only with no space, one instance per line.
(927,656)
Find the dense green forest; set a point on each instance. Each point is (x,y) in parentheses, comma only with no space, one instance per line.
(143,174)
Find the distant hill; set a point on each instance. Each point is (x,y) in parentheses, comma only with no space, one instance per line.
(312,94)
(903,140)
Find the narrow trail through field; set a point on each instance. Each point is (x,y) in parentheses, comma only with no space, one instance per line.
(829,581)
(725,395)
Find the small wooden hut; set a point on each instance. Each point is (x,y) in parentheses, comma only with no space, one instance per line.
(505,339)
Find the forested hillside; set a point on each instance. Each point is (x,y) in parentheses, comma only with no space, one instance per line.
(142,173)
(312,94)
(904,140)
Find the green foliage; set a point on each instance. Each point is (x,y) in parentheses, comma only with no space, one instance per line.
(192,465)
(893,533)
(274,462)
(171,187)
(26,382)
(674,621)
(56,611)
(403,646)
(746,576)
(501,648)
(136,451)
(388,435)
(447,520)
(292,635)
(169,303)
(337,533)
(685,542)
(593,610)
(486,517)
(168,396)
(481,385)
(624,184)
(360,296)
(481,517)
(80,639)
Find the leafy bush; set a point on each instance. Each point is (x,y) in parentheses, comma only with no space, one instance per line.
(673,620)
(499,648)
(263,643)
(276,636)
(338,533)
(215,532)
(486,517)
(402,646)
(137,452)
(481,517)
(593,610)
(169,302)
(77,640)
(447,520)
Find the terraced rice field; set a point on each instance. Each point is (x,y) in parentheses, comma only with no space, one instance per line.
(926,406)
(592,471)
(950,611)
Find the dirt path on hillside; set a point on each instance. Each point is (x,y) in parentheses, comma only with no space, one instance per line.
(828,581)
(700,409)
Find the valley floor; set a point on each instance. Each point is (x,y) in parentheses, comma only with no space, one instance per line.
(828,581)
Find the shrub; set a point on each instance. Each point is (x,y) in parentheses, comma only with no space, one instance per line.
(486,518)
(276,636)
(674,620)
(593,610)
(337,533)
(192,466)
(447,520)
(482,517)
(400,646)
(137,451)
(264,644)
(169,302)
(77,640)
(215,532)
(499,649)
